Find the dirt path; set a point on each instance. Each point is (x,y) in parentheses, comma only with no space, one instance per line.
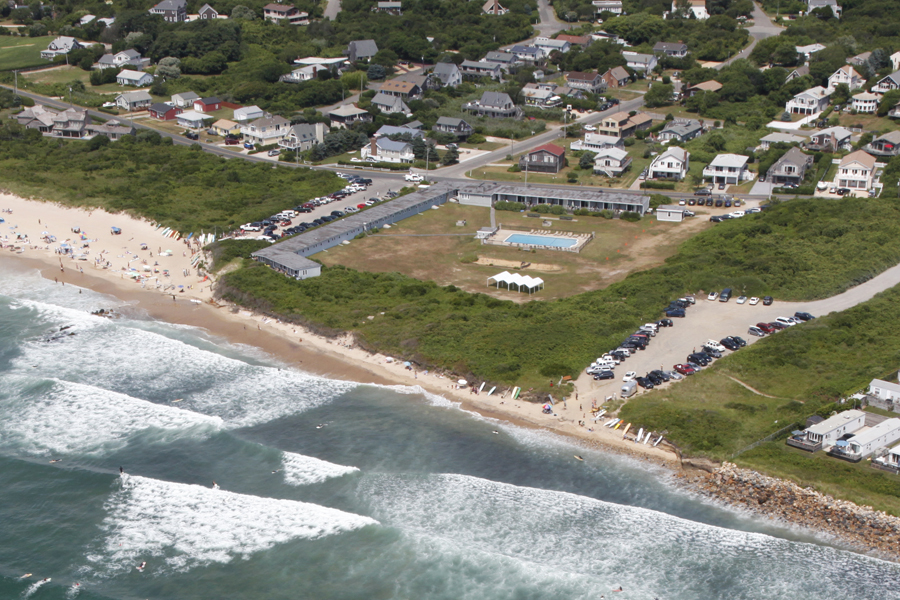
(755,391)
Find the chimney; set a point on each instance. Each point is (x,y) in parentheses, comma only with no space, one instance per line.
(496,7)
(373,148)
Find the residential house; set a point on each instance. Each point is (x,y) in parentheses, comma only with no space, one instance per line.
(60,46)
(681,130)
(790,168)
(495,105)
(832,139)
(589,82)
(671,164)
(530,55)
(730,169)
(865,102)
(265,131)
(386,150)
(860,59)
(550,45)
(164,112)
(694,8)
(885,391)
(389,104)
(889,461)
(225,127)
(508,62)
(832,4)
(205,105)
(847,75)
(172,11)
(611,162)
(36,117)
(622,125)
(245,114)
(361,50)
(809,50)
(458,127)
(541,98)
(673,49)
(348,114)
(642,63)
(867,442)
(886,145)
(113,129)
(548,158)
(132,101)
(895,60)
(285,12)
(70,123)
(307,73)
(576,40)
(207,13)
(596,142)
(894,113)
(402,89)
(616,77)
(492,7)
(856,172)
(482,68)
(798,72)
(448,74)
(891,82)
(303,136)
(706,86)
(779,138)
(389,130)
(389,7)
(134,78)
(829,431)
(184,99)
(610,6)
(191,119)
(670,213)
(125,58)
(809,102)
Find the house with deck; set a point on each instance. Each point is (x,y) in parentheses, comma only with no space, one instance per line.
(496,105)
(265,131)
(673,164)
(730,169)
(348,114)
(457,127)
(681,130)
(588,82)
(60,47)
(856,172)
(848,76)
(387,150)
(548,158)
(611,162)
(887,145)
(790,168)
(303,136)
(809,102)
(832,139)
(825,434)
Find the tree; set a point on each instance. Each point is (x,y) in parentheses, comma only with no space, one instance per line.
(376,72)
(169,68)
(451,157)
(841,94)
(888,101)
(586,163)
(659,94)
(242,12)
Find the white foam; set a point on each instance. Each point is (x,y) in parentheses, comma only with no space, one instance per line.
(306,470)
(176,527)
(31,589)
(75,418)
(73,590)
(600,544)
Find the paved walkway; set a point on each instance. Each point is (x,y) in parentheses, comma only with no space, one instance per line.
(332,9)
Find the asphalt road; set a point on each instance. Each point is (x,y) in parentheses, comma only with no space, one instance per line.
(332,9)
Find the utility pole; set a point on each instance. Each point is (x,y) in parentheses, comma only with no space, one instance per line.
(17,82)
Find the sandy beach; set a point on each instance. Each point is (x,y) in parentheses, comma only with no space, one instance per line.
(170,287)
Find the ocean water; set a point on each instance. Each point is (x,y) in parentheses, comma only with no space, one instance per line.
(329,489)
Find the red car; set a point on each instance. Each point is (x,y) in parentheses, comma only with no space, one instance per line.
(361,206)
(776,326)
(766,327)
(684,369)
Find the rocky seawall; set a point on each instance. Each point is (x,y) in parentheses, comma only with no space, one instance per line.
(867,529)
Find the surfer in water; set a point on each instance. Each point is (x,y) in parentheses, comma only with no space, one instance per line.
(141,568)
(579,458)
(25,576)
(55,460)
(121,471)
(215,485)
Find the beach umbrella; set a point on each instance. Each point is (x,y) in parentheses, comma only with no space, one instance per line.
(407,364)
(462,382)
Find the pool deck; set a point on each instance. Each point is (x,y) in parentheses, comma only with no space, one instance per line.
(500,238)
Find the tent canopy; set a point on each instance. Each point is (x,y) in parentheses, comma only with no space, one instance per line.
(519,282)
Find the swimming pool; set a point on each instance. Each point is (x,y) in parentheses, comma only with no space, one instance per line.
(540,240)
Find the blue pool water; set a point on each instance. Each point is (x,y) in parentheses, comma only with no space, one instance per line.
(540,240)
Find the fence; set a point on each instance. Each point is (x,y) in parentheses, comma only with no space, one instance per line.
(768,438)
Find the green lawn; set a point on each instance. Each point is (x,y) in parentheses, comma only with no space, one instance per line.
(18,53)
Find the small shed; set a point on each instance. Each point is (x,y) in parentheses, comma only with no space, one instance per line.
(670,212)
(485,232)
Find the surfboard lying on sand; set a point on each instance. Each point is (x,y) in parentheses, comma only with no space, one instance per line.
(492,390)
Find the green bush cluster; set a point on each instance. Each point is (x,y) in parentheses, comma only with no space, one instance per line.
(657,185)
(513,206)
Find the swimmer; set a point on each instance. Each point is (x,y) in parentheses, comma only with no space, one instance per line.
(55,460)
(141,567)
(215,485)
(496,432)
(276,471)
(579,458)
(25,576)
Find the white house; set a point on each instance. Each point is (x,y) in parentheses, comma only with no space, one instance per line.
(192,119)
(848,75)
(867,442)
(865,102)
(891,82)
(125,58)
(695,9)
(134,78)
(730,169)
(59,46)
(611,162)
(831,429)
(384,150)
(390,104)
(184,99)
(448,74)
(303,136)
(670,213)
(246,114)
(895,60)
(596,142)
(809,102)
(856,172)
(671,164)
(884,390)
(267,130)
(809,50)
(612,6)
(643,63)
(134,100)
(548,45)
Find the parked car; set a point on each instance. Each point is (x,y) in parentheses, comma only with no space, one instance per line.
(730,344)
(192,135)
(274,152)
(804,316)
(725,296)
(712,296)
(741,299)
(702,192)
(661,374)
(683,369)
(604,375)
(665,323)
(248,146)
(714,345)
(740,341)
(654,378)
(721,186)
(786,321)
(757,331)
(644,383)
(675,313)
(719,201)
(766,327)
(767,301)
(754,301)
(691,202)
(629,376)
(413,177)
(231,141)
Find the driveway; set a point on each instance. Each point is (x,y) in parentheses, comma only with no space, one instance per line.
(332,9)
(762,188)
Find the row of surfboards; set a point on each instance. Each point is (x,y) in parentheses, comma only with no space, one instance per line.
(515,391)
(640,438)
(205,238)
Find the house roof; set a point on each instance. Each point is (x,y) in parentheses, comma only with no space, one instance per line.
(247,110)
(729,160)
(581,76)
(519,49)
(481,64)
(225,124)
(800,71)
(129,74)
(707,86)
(347,110)
(161,107)
(582,40)
(304,132)
(838,132)
(892,137)
(445,71)
(186,96)
(557,43)
(888,385)
(206,7)
(193,115)
(404,87)
(670,47)
(618,73)
(210,100)
(683,128)
(280,8)
(500,57)
(394,146)
(793,156)
(779,137)
(386,130)
(382,99)
(867,160)
(138,96)
(817,92)
(365,47)
(638,58)
(611,152)
(618,117)
(809,49)
(171,5)
(866,96)
(836,421)
(449,121)
(598,138)
(895,77)
(495,99)
(489,7)
(849,71)
(273,121)
(551,148)
(640,118)
(673,152)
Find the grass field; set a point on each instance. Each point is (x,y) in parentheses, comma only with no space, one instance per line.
(618,248)
(66,74)
(18,52)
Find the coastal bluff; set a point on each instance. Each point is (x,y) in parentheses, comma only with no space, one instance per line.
(873,531)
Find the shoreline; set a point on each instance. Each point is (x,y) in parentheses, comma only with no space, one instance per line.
(342,359)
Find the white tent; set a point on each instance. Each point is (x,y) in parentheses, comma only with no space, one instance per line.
(521,283)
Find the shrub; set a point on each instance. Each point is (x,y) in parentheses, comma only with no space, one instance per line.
(657,185)
(630,216)
(512,206)
(476,138)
